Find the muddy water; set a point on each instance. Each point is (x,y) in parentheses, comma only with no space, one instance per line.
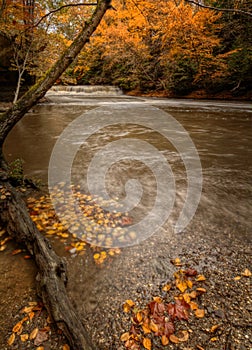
(222,135)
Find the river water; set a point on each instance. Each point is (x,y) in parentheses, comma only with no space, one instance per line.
(221,135)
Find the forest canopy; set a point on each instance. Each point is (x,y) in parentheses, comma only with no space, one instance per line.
(172,46)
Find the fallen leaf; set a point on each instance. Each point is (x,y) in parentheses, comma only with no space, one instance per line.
(128,305)
(147,343)
(237,278)
(200,278)
(176,262)
(153,327)
(187,298)
(193,305)
(183,336)
(200,313)
(214,327)
(201,290)
(64,347)
(164,340)
(11,339)
(16,251)
(125,336)
(139,316)
(181,285)
(17,327)
(246,273)
(178,309)
(200,347)
(193,294)
(174,339)
(41,348)
(40,338)
(166,288)
(24,337)
(214,339)
(191,272)
(33,333)
(146,329)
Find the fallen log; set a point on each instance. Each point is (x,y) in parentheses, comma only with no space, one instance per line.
(52,277)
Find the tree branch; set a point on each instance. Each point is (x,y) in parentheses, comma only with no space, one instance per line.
(246,13)
(62,7)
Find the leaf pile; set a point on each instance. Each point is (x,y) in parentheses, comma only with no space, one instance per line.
(91,223)
(25,331)
(161,317)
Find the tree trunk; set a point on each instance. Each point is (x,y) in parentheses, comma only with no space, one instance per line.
(52,277)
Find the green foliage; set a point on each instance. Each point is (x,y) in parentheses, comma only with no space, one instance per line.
(15,172)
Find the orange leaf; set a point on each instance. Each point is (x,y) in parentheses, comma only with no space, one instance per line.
(183,336)
(214,339)
(181,285)
(164,340)
(157,299)
(17,327)
(11,339)
(187,298)
(201,290)
(139,316)
(193,305)
(246,273)
(125,336)
(214,327)
(166,288)
(199,313)
(174,339)
(193,294)
(146,329)
(147,343)
(65,347)
(153,327)
(200,278)
(34,333)
(24,337)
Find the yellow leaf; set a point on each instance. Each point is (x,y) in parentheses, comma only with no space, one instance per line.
(201,290)
(166,288)
(187,298)
(147,343)
(33,334)
(64,347)
(130,302)
(176,262)
(237,278)
(214,339)
(164,340)
(24,337)
(189,283)
(200,278)
(11,339)
(125,336)
(174,339)
(246,273)
(181,285)
(199,313)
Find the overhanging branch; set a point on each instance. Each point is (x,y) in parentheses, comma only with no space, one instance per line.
(246,13)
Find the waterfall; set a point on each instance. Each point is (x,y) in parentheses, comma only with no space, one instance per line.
(95,90)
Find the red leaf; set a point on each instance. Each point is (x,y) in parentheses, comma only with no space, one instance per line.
(191,272)
(157,309)
(169,329)
(179,310)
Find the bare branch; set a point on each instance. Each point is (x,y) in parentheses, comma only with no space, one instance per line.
(220,9)
(62,7)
